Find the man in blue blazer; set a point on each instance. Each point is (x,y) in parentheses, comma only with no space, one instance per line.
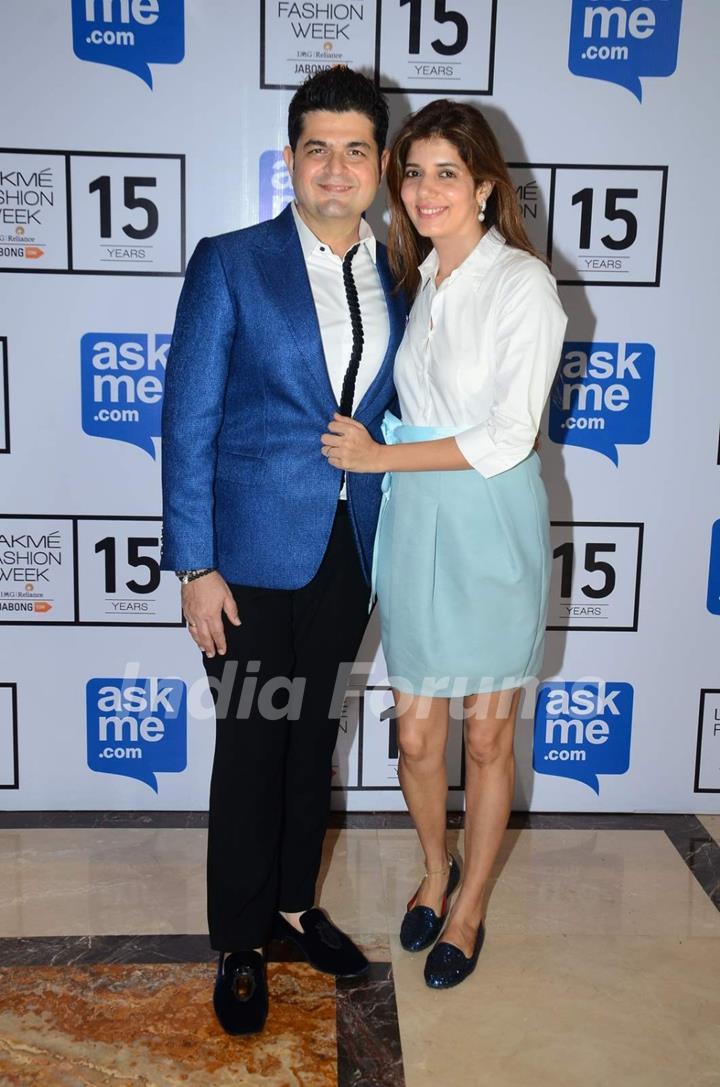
(280,327)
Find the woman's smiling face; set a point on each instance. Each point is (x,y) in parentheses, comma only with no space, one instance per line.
(438,191)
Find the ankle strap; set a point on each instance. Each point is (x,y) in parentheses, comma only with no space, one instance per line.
(439,871)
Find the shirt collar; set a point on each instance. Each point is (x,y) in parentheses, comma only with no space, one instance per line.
(311,244)
(476,263)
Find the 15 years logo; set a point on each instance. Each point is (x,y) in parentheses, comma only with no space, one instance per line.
(123,380)
(583,729)
(137,727)
(129,34)
(602,396)
(624,41)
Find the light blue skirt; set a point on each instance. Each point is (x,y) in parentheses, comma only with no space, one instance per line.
(461,570)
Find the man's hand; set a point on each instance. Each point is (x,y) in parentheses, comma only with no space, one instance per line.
(203,602)
(348,445)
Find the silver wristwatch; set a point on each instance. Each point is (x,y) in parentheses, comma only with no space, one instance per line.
(186,576)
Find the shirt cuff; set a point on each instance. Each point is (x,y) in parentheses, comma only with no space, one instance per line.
(486,457)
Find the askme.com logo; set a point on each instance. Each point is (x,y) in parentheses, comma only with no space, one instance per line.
(583,729)
(275,185)
(123,381)
(602,396)
(129,34)
(137,727)
(623,41)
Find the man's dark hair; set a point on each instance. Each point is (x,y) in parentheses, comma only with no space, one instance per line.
(338,90)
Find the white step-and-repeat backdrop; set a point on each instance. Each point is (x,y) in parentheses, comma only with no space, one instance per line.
(131,128)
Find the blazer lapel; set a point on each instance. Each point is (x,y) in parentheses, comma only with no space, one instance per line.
(283,267)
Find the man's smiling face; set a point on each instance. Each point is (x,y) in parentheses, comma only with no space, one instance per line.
(336,167)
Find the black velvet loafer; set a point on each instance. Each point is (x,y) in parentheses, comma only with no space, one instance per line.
(421,925)
(446,965)
(241,996)
(323,944)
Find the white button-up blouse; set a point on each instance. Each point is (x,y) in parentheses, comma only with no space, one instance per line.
(481,350)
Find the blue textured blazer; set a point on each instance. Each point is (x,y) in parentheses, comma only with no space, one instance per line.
(247,396)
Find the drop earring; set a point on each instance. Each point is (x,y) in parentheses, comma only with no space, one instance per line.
(481,214)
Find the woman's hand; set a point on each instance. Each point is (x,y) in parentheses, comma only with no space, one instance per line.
(349,446)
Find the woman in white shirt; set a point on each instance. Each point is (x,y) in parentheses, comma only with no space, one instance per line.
(462,559)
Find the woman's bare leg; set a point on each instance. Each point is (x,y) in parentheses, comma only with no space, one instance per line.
(422,730)
(489,783)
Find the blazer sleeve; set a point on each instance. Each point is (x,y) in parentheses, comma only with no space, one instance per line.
(530,327)
(195,379)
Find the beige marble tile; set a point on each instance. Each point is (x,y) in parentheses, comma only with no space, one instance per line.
(79,881)
(711,823)
(565,1011)
(351,888)
(548,882)
(573,882)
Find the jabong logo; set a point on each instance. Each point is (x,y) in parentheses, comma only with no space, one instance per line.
(129,34)
(582,729)
(623,41)
(137,727)
(602,396)
(23,607)
(122,381)
(275,188)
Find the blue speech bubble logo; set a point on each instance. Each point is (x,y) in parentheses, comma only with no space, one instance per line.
(122,383)
(602,396)
(275,185)
(137,727)
(582,730)
(623,41)
(713,593)
(129,34)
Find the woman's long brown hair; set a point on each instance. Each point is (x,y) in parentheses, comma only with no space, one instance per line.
(465,128)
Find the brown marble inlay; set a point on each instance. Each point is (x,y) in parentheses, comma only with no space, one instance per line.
(152,1025)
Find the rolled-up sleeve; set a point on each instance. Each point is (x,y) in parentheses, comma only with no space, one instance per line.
(530,324)
(193,401)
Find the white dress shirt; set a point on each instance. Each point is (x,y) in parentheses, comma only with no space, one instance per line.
(328,290)
(481,350)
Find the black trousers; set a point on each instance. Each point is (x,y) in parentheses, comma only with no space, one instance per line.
(276,729)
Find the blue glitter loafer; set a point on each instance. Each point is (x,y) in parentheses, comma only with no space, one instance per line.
(446,965)
(421,925)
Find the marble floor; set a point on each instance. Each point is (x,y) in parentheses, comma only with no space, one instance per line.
(600,966)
